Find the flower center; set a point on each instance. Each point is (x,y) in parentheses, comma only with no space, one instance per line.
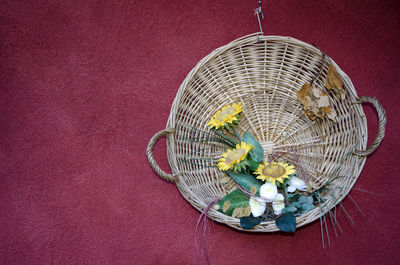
(235,155)
(225,113)
(274,171)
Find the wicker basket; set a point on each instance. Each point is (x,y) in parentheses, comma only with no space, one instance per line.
(264,76)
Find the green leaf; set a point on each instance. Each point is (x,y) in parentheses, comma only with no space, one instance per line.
(236,199)
(295,204)
(290,209)
(257,153)
(250,221)
(246,181)
(307,207)
(293,197)
(286,223)
(305,200)
(253,165)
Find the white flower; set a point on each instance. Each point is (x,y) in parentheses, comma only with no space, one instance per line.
(257,206)
(279,204)
(268,192)
(296,183)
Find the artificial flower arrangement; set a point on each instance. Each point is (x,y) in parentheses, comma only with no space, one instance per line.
(266,190)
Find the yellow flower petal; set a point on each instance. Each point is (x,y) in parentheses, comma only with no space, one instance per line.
(227,115)
(274,171)
(234,156)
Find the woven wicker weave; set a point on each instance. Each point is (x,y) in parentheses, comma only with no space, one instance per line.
(265,76)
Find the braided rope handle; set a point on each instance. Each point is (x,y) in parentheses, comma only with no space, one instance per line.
(381,126)
(153,163)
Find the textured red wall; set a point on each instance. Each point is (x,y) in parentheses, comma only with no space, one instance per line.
(85,84)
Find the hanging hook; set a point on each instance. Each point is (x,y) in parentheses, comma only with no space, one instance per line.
(257,12)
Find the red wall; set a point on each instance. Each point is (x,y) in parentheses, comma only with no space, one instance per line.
(85,84)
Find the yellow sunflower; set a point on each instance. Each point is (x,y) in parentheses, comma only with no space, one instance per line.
(274,171)
(227,115)
(234,156)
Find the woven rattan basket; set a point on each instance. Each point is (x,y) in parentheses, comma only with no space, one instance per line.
(264,75)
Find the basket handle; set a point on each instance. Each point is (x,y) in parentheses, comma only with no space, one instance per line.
(381,126)
(153,163)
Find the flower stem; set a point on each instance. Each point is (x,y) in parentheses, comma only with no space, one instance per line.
(232,141)
(237,134)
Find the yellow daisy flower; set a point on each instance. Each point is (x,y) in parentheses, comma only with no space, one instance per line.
(233,156)
(227,115)
(274,171)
